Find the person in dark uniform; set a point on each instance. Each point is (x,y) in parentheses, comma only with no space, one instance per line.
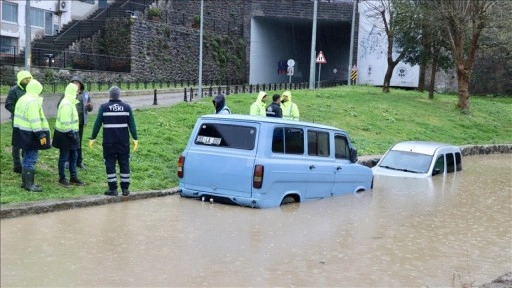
(274,109)
(118,123)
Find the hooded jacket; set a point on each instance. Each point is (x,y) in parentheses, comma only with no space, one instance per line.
(220,105)
(66,124)
(84,103)
(29,123)
(16,92)
(290,109)
(259,108)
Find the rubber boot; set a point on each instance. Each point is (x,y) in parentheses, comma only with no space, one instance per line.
(29,181)
(23,179)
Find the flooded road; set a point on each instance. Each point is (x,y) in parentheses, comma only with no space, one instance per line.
(405,233)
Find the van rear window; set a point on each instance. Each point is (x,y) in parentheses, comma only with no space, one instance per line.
(222,135)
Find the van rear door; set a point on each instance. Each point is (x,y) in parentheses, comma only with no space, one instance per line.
(220,161)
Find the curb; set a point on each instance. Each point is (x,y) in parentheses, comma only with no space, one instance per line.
(46,206)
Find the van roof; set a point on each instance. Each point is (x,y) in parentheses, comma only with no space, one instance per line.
(260,119)
(423,147)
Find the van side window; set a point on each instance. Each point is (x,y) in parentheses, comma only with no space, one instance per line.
(288,140)
(450,163)
(222,135)
(458,161)
(439,165)
(318,143)
(341,147)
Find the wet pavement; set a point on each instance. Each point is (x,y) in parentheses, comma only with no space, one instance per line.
(164,97)
(452,231)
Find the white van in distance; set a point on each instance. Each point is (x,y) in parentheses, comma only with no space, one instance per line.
(264,162)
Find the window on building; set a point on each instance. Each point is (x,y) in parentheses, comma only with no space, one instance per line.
(8,45)
(42,19)
(9,12)
(37,17)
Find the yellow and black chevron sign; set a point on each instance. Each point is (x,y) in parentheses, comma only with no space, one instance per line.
(353,75)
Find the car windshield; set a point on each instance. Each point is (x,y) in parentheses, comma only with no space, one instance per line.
(406,161)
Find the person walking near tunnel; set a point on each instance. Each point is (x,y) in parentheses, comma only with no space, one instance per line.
(66,136)
(290,109)
(31,132)
(118,123)
(258,108)
(14,94)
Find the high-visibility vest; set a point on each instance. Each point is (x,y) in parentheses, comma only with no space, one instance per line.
(67,117)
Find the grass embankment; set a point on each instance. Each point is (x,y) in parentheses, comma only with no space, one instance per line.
(373,120)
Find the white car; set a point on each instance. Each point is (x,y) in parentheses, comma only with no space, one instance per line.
(419,159)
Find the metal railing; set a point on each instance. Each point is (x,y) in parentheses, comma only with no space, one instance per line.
(42,57)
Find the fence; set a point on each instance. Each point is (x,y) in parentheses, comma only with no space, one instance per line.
(190,90)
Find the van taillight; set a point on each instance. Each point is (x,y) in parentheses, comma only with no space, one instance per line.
(181,162)
(257,179)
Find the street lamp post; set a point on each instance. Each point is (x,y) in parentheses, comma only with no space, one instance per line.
(200,86)
(28,37)
(313,47)
(351,42)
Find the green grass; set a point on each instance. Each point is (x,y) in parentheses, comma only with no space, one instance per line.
(373,120)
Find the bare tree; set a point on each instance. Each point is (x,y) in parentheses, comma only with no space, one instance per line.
(382,15)
(465,20)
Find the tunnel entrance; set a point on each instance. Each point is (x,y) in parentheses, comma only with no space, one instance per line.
(275,40)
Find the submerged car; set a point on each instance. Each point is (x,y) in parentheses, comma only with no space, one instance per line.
(419,159)
(264,162)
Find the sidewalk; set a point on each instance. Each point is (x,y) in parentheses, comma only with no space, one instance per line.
(136,98)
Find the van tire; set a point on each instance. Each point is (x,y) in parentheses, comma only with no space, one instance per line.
(288,200)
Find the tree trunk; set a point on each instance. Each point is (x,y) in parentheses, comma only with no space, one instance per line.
(463,89)
(421,81)
(387,78)
(432,80)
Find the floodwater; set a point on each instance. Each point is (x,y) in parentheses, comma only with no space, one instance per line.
(405,233)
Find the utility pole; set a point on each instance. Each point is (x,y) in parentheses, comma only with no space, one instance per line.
(313,47)
(200,87)
(28,37)
(351,43)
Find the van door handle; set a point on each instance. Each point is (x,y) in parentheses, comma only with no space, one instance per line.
(338,168)
(311,167)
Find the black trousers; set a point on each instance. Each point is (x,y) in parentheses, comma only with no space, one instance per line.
(79,150)
(113,154)
(79,159)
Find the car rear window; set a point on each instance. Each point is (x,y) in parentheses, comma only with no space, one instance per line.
(223,135)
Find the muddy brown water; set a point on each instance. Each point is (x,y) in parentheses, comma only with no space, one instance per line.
(405,233)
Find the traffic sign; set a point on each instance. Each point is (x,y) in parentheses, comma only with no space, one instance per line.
(320,58)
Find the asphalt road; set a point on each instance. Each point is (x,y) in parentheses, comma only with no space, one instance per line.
(137,101)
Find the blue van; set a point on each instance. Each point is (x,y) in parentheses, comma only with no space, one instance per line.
(264,162)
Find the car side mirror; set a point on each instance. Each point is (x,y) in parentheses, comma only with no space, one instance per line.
(353,155)
(436,171)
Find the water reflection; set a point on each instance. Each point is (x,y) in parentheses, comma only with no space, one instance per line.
(404,234)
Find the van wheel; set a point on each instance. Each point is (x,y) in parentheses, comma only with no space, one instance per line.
(288,200)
